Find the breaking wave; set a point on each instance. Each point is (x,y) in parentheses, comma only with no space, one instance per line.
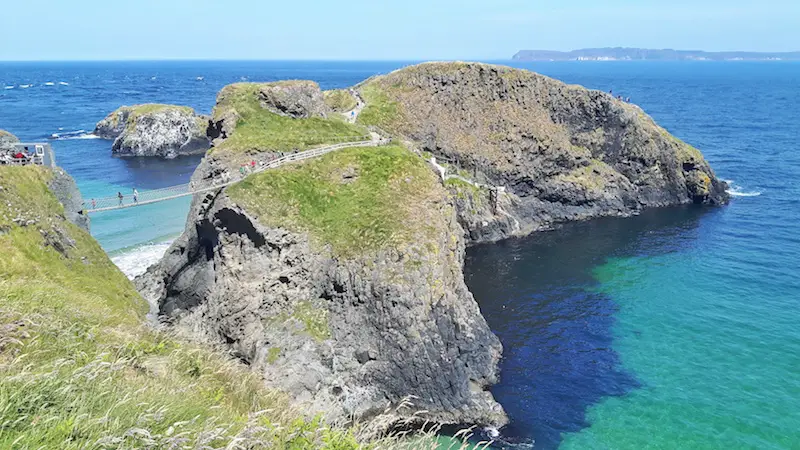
(737,191)
(135,261)
(80,134)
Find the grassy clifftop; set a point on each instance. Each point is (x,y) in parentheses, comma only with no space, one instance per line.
(132,113)
(357,200)
(78,367)
(253,125)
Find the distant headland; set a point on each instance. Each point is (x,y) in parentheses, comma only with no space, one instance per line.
(642,54)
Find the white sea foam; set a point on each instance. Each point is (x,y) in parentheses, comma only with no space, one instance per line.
(80,134)
(492,432)
(49,83)
(737,191)
(135,261)
(9,87)
(25,86)
(63,83)
(200,78)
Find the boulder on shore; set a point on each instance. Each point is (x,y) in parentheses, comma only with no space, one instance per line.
(166,131)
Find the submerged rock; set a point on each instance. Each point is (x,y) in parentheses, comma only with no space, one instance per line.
(560,152)
(155,130)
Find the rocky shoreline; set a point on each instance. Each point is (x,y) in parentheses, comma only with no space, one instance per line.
(340,281)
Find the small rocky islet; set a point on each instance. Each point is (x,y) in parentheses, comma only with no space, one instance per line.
(165,131)
(339,280)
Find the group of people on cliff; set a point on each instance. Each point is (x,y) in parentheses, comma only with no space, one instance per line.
(619,97)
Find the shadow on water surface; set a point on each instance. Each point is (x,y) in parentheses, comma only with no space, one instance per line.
(155,173)
(538,295)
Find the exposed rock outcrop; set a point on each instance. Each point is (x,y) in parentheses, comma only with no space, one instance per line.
(166,131)
(346,317)
(296,99)
(7,141)
(562,152)
(292,99)
(67,192)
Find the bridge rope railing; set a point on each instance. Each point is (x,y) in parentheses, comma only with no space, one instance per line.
(182,190)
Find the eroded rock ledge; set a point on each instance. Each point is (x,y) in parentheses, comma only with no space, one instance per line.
(166,131)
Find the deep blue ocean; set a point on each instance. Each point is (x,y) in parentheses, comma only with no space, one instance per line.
(679,328)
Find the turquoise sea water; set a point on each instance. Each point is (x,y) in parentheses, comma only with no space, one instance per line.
(674,329)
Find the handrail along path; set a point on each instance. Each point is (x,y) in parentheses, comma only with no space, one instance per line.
(184,190)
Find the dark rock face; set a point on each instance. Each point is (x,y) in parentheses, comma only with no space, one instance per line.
(561,152)
(66,191)
(342,337)
(155,130)
(297,99)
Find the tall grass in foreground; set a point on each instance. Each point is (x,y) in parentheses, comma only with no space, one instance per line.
(80,369)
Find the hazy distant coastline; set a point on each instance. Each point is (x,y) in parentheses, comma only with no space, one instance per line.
(641,54)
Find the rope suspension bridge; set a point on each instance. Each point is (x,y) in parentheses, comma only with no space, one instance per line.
(184,190)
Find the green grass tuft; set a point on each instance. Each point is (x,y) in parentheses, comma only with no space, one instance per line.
(381,111)
(339,100)
(315,320)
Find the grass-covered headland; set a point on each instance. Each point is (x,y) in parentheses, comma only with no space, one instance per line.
(355,200)
(259,129)
(80,369)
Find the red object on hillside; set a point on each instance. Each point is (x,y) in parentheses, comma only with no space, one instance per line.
(19,155)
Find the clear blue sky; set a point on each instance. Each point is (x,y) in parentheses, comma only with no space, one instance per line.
(381,29)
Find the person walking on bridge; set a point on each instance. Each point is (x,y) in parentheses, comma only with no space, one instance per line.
(120,197)
(135,196)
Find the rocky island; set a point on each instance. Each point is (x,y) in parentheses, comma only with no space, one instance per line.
(339,280)
(325,290)
(644,54)
(166,131)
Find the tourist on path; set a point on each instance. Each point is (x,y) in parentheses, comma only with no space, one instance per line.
(120,197)
(135,196)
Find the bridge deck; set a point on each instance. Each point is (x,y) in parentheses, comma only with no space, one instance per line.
(184,190)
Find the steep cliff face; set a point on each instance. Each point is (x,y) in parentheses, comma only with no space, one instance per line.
(561,152)
(166,131)
(340,281)
(63,186)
